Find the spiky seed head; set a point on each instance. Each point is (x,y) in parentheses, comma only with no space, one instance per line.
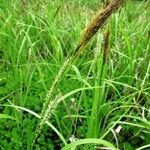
(97,22)
(105,45)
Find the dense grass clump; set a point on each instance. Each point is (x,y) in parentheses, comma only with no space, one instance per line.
(102,99)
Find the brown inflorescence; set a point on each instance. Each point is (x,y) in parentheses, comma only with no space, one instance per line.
(96,23)
(105,45)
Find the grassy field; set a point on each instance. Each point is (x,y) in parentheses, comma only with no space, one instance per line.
(101,99)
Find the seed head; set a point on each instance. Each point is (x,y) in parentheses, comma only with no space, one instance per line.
(97,22)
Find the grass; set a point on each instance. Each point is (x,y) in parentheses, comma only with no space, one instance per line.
(101,104)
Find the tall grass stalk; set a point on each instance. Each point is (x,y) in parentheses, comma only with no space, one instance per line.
(99,94)
(96,23)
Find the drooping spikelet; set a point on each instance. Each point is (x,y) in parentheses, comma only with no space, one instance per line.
(96,23)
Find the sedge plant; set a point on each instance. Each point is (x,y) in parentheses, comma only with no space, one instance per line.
(96,23)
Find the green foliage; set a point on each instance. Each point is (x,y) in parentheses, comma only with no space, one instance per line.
(95,100)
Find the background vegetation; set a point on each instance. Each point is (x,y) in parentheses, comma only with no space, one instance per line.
(100,100)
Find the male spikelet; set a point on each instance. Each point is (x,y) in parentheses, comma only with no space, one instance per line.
(96,23)
(105,45)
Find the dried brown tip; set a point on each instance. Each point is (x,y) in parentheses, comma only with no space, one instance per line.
(97,22)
